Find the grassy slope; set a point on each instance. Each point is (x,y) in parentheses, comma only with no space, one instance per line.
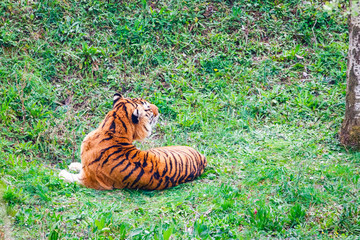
(257,87)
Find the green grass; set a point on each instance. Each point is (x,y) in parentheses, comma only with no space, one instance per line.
(257,86)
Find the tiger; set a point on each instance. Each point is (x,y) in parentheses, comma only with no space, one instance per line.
(110,160)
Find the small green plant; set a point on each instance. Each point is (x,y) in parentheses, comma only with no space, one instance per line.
(201,230)
(265,218)
(89,55)
(296,215)
(12,197)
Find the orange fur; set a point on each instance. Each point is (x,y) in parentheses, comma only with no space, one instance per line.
(110,160)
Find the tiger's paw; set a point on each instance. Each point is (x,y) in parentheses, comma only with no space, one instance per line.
(65,175)
(75,166)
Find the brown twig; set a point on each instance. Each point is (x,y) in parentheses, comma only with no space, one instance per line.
(312,29)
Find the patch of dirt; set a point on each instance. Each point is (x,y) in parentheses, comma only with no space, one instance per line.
(5,228)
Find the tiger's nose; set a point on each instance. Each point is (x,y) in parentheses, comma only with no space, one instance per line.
(154,109)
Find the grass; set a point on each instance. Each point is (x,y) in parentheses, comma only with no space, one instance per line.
(257,86)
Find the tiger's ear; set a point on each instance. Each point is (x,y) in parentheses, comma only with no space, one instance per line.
(116,98)
(135,116)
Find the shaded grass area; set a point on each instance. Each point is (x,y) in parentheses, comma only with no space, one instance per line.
(256,86)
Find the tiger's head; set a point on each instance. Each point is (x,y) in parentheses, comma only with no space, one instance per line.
(136,116)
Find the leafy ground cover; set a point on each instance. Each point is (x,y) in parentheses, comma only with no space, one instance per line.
(256,86)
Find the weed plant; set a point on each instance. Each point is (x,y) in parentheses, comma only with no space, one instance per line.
(256,86)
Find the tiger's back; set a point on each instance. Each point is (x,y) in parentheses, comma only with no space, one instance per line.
(155,169)
(175,165)
(110,161)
